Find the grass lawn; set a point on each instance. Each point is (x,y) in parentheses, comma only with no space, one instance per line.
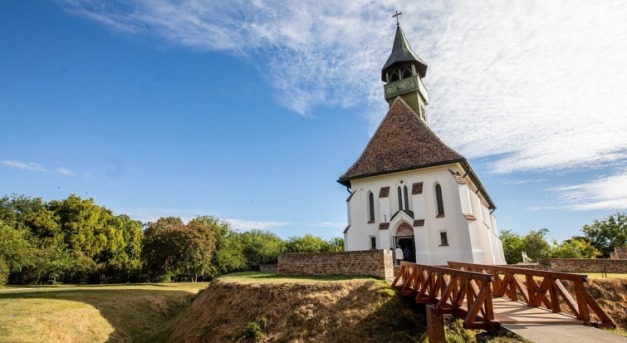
(270,278)
(92,313)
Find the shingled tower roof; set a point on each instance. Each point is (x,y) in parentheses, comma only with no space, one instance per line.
(402,142)
(402,54)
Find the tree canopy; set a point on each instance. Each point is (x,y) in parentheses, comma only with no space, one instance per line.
(75,240)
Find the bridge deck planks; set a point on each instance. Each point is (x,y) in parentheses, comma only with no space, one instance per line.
(507,311)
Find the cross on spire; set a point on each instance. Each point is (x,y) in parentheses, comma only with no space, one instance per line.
(396,16)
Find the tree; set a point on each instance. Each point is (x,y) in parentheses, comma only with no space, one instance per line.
(512,246)
(15,251)
(159,248)
(261,247)
(306,243)
(574,248)
(335,244)
(535,245)
(171,248)
(607,234)
(200,244)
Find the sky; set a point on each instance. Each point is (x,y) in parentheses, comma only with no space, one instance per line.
(249,111)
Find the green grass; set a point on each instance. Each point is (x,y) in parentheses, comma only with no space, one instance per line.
(270,278)
(92,313)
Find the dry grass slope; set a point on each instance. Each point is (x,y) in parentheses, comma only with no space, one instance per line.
(348,311)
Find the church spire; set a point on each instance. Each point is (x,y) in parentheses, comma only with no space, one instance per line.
(402,53)
(403,72)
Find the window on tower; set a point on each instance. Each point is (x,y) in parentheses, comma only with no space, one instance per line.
(394,76)
(370,207)
(439,201)
(406,72)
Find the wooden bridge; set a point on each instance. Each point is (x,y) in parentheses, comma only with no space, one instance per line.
(485,296)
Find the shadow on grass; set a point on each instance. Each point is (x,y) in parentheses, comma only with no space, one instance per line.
(136,314)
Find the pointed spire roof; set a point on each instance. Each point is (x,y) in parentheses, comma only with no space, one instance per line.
(402,53)
(402,142)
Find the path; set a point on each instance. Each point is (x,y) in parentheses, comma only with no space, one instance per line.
(560,333)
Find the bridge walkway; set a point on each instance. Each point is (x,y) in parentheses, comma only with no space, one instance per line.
(488,296)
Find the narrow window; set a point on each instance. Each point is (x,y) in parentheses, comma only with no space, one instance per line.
(406,198)
(370,207)
(443,238)
(438,198)
(400,199)
(373,242)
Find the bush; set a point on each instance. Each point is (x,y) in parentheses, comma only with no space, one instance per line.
(253,330)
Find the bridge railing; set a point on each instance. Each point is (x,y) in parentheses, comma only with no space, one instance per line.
(466,294)
(541,288)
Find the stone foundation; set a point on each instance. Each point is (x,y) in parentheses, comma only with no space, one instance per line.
(377,263)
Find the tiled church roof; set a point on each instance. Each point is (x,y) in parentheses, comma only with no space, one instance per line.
(402,142)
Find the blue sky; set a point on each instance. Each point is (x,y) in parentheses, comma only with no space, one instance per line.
(250,110)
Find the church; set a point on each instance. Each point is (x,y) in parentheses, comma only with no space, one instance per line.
(409,189)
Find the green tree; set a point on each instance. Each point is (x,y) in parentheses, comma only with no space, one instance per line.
(574,248)
(172,248)
(306,243)
(260,247)
(607,234)
(15,251)
(229,256)
(512,246)
(198,249)
(159,248)
(335,244)
(535,244)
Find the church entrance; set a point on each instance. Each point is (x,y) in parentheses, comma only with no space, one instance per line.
(405,238)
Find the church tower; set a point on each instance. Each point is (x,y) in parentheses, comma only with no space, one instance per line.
(403,73)
(409,189)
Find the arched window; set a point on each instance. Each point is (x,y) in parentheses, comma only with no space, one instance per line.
(400,198)
(407,72)
(438,199)
(406,197)
(370,207)
(394,77)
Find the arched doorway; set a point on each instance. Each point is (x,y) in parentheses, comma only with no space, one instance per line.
(405,238)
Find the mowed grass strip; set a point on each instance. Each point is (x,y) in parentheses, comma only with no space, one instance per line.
(98,313)
(270,278)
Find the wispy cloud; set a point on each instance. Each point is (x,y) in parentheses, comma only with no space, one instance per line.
(511,76)
(64,171)
(152,214)
(534,85)
(606,193)
(26,166)
(245,225)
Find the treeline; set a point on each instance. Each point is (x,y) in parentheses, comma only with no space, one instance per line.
(77,241)
(597,240)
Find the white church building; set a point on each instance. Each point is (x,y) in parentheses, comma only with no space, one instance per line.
(408,188)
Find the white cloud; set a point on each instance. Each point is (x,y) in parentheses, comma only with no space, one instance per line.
(330,225)
(26,166)
(245,225)
(606,193)
(152,214)
(64,171)
(533,85)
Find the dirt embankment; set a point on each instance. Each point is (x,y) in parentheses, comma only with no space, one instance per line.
(611,295)
(355,311)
